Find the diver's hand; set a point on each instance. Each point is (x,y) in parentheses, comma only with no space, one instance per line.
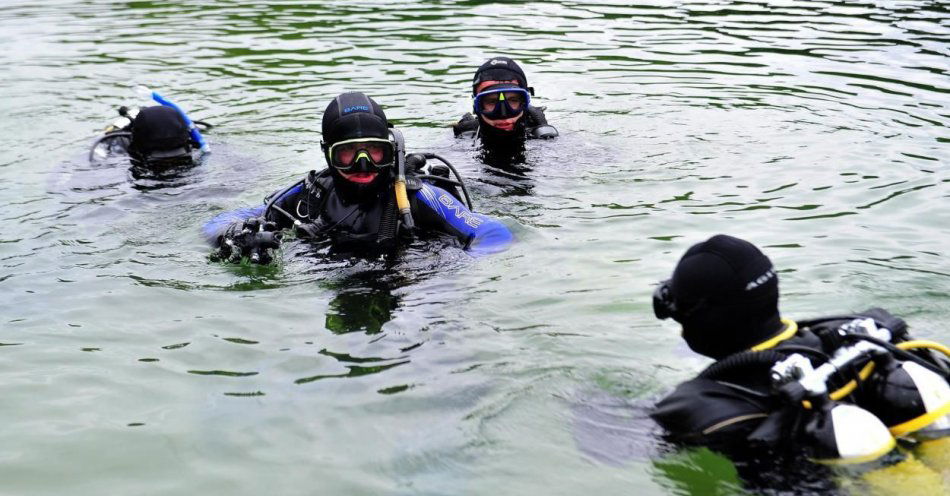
(255,239)
(544,131)
(311,230)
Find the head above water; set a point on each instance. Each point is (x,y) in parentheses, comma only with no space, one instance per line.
(495,75)
(724,292)
(357,143)
(160,136)
(498,69)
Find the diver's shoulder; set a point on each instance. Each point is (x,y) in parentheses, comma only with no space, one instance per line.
(704,407)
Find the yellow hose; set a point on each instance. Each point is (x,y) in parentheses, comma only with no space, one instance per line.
(402,199)
(847,388)
(866,371)
(923,343)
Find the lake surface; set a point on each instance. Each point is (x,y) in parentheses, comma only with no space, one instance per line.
(131,364)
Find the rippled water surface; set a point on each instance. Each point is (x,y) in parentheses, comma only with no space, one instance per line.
(131,364)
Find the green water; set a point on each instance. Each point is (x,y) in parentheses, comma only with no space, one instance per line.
(133,365)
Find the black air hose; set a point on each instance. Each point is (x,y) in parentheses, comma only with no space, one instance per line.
(742,360)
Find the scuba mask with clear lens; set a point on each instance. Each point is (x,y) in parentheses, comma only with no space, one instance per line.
(362,154)
(502,101)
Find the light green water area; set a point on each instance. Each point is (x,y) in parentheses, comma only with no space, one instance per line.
(132,364)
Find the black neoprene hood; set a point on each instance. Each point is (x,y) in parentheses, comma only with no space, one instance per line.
(160,130)
(354,115)
(734,289)
(499,69)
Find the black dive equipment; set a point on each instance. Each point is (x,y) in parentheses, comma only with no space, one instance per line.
(172,143)
(255,239)
(901,397)
(438,175)
(402,198)
(665,306)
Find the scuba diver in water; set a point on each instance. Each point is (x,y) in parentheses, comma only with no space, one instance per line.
(504,116)
(157,139)
(837,389)
(366,200)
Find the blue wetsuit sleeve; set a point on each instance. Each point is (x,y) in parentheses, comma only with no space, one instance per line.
(215,229)
(439,210)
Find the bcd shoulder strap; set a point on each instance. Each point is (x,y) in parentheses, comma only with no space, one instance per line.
(317,188)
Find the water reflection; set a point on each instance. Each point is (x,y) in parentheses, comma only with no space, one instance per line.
(363,303)
(368,293)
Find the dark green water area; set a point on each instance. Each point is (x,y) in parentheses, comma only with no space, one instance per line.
(132,364)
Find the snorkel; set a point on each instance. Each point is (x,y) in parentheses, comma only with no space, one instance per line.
(402,198)
(144,92)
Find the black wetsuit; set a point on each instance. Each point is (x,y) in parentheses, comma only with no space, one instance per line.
(369,223)
(723,408)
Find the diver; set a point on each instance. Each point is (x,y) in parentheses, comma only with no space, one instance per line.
(370,198)
(837,389)
(502,106)
(157,139)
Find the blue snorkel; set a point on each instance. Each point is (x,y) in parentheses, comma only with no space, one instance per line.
(144,92)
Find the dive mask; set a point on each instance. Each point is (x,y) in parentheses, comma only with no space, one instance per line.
(502,101)
(361,153)
(665,306)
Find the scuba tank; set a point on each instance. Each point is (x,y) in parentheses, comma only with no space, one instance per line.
(904,394)
(908,398)
(901,389)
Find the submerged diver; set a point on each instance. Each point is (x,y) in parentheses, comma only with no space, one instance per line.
(156,138)
(837,389)
(502,104)
(365,200)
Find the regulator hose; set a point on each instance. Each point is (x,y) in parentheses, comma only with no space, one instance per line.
(923,343)
(742,360)
(461,183)
(402,198)
(933,346)
(271,204)
(896,350)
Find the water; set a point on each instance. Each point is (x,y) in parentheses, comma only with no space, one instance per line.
(132,364)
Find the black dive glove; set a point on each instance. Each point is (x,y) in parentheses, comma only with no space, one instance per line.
(538,124)
(543,132)
(255,238)
(467,124)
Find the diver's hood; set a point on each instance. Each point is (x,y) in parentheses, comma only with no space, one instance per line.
(160,133)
